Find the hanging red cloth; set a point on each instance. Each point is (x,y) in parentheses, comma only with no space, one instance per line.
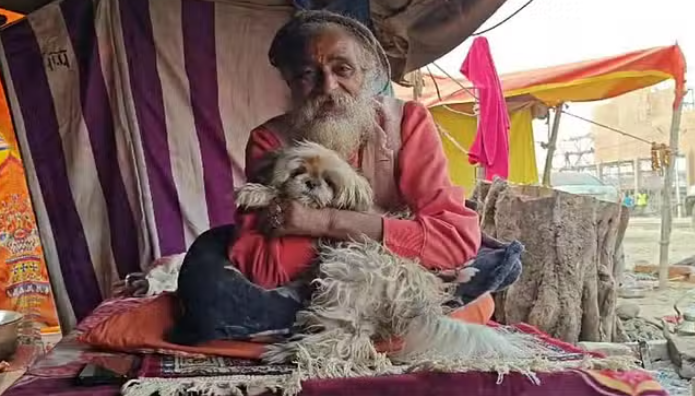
(491,146)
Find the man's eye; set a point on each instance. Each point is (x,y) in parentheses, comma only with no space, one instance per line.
(331,183)
(306,74)
(344,70)
(297,172)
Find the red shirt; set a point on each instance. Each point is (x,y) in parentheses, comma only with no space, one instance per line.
(444,234)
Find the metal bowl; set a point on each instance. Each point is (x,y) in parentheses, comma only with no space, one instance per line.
(9,325)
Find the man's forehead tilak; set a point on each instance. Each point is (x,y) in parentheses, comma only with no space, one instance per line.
(330,47)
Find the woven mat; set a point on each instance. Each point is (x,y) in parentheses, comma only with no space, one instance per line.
(172,366)
(172,375)
(166,366)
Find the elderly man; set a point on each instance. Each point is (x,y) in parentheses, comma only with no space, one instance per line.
(335,69)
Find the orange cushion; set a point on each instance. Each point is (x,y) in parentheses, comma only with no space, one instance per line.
(142,328)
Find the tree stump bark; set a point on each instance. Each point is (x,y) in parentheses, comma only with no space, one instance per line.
(568,287)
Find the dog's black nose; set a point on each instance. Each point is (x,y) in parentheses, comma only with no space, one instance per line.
(311,184)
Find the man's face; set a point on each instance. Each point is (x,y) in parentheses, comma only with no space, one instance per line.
(331,63)
(327,80)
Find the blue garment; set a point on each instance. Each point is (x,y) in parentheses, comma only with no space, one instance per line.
(499,266)
(355,9)
(218,302)
(629,201)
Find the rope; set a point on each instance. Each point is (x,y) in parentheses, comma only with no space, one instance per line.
(459,112)
(459,83)
(608,127)
(434,81)
(451,139)
(503,21)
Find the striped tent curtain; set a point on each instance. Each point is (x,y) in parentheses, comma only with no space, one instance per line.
(132,117)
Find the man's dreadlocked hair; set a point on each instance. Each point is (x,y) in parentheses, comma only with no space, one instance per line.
(292,37)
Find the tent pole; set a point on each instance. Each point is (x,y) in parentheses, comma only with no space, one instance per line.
(666,213)
(552,141)
(417,85)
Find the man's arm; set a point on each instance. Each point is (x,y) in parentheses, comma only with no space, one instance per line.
(268,262)
(444,233)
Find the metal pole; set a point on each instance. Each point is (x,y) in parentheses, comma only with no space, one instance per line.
(666,215)
(679,207)
(480,172)
(552,141)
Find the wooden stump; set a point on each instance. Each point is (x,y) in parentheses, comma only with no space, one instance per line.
(568,286)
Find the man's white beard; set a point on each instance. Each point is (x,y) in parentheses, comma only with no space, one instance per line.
(343,132)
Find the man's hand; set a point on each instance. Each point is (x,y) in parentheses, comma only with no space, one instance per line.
(287,218)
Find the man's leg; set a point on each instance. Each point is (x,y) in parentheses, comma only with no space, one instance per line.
(218,302)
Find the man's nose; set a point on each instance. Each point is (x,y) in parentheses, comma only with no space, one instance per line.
(329,82)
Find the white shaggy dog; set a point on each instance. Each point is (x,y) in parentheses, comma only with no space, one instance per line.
(365,293)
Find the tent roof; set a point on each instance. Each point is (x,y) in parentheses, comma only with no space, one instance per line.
(412,33)
(575,82)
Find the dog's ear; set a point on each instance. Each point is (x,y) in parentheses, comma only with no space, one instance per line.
(261,171)
(255,196)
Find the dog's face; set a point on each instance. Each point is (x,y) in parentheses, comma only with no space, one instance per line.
(317,177)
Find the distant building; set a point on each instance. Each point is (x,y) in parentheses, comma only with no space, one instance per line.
(647,114)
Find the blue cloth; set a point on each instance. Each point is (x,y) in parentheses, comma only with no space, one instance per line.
(629,201)
(355,9)
(499,266)
(218,302)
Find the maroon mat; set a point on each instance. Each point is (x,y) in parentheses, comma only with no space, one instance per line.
(54,375)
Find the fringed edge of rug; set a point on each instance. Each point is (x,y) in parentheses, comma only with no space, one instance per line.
(212,386)
(291,384)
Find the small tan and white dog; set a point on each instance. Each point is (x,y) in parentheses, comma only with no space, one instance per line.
(363,292)
(310,174)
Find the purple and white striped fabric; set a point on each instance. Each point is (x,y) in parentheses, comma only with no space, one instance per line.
(133,116)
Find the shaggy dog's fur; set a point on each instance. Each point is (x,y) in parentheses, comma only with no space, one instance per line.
(311,174)
(363,292)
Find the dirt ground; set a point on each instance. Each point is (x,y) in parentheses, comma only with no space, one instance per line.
(656,303)
(641,246)
(641,242)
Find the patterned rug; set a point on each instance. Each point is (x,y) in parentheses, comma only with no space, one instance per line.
(167,366)
(173,375)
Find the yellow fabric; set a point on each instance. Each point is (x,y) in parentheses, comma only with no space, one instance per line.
(462,128)
(5,149)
